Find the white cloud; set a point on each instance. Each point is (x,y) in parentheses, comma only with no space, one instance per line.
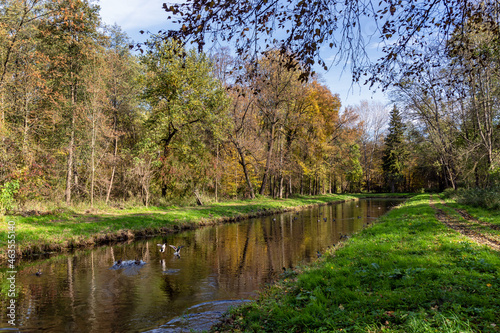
(134,15)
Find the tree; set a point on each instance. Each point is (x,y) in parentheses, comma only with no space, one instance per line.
(476,62)
(273,85)
(242,134)
(395,151)
(373,119)
(19,78)
(69,33)
(188,112)
(455,104)
(302,28)
(123,101)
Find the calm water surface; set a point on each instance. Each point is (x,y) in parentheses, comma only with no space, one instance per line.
(81,292)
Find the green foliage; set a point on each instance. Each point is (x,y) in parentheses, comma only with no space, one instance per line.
(187,117)
(354,175)
(395,152)
(7,193)
(488,198)
(448,193)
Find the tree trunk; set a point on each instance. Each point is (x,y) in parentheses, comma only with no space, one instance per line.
(69,174)
(92,163)
(280,187)
(245,169)
(271,187)
(115,153)
(92,155)
(216,174)
(268,160)
(26,128)
(198,199)
(310,185)
(290,186)
(329,183)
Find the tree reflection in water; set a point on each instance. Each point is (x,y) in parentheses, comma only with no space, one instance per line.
(226,262)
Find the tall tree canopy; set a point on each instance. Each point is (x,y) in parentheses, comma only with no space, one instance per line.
(301,27)
(188,111)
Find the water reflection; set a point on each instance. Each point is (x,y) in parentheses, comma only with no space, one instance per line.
(87,292)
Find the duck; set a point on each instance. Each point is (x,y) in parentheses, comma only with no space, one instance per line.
(163,247)
(343,236)
(38,273)
(318,254)
(177,250)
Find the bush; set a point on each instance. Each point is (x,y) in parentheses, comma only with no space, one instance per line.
(448,193)
(7,193)
(486,198)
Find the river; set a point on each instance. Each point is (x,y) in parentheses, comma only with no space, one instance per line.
(218,267)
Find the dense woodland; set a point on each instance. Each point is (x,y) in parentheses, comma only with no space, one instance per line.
(86,118)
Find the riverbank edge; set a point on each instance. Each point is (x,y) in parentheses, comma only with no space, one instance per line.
(311,298)
(37,247)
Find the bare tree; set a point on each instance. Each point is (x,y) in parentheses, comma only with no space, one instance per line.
(373,118)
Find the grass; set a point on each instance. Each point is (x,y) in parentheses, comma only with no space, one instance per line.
(79,227)
(407,273)
(490,216)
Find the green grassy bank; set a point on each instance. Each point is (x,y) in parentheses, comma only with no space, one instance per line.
(66,229)
(407,273)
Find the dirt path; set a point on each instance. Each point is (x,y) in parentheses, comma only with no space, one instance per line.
(466,227)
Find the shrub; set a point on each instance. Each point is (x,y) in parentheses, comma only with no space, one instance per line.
(486,198)
(7,193)
(448,193)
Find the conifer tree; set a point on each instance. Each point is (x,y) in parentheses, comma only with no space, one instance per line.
(395,151)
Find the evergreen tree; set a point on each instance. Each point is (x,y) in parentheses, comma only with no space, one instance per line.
(395,151)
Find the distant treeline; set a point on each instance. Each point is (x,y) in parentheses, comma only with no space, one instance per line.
(84,118)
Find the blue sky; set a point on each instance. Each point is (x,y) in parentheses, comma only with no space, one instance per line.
(148,15)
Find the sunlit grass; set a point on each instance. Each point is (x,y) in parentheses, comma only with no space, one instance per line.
(407,273)
(76,227)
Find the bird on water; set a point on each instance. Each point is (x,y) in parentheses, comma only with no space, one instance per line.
(177,250)
(163,247)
